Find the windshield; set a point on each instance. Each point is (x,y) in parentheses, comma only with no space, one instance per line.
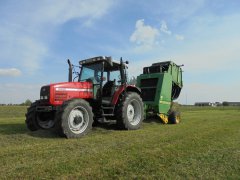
(91,72)
(115,76)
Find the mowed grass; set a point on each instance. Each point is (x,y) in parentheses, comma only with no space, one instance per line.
(205,145)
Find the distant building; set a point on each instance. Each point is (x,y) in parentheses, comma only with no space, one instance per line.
(218,104)
(225,103)
(204,104)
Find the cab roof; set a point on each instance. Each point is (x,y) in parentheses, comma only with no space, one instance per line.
(109,64)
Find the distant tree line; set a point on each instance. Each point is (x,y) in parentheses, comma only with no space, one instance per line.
(225,103)
(28,102)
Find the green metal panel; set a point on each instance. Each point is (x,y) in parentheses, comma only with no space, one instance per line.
(164,93)
(162,100)
(176,73)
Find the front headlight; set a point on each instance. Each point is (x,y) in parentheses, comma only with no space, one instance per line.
(45,93)
(43,97)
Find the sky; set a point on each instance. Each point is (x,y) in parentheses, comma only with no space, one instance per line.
(37,38)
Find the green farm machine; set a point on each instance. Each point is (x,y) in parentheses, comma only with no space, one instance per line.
(99,92)
(160,84)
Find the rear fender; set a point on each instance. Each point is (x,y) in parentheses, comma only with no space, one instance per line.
(129,88)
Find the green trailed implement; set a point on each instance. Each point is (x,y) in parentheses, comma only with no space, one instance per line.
(160,84)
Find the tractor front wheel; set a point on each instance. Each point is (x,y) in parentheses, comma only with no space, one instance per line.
(31,118)
(129,112)
(75,119)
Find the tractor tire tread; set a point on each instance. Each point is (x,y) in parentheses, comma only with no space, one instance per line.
(30,121)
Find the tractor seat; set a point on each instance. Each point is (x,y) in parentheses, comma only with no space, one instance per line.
(108,89)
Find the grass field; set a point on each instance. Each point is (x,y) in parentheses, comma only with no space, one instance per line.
(205,145)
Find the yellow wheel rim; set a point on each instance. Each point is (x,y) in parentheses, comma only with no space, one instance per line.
(177,119)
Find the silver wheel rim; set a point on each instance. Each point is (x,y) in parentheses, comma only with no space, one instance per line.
(134,112)
(78,120)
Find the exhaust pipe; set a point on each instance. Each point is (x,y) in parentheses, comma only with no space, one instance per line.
(69,71)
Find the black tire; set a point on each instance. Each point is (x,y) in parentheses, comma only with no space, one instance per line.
(174,117)
(45,120)
(31,117)
(95,122)
(130,112)
(75,119)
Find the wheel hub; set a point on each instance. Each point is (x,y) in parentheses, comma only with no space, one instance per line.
(130,112)
(77,120)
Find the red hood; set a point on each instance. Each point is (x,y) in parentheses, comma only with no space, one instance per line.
(72,84)
(60,92)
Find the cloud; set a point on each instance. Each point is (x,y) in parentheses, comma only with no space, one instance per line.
(10,72)
(144,35)
(211,56)
(177,11)
(59,12)
(147,37)
(164,28)
(28,28)
(179,37)
(211,46)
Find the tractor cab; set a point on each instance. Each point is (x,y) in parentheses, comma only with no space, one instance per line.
(106,76)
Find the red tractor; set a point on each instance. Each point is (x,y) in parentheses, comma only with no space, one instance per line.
(99,91)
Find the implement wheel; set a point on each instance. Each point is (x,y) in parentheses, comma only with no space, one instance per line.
(129,112)
(76,118)
(174,117)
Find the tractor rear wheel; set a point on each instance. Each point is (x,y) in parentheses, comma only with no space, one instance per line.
(174,117)
(75,119)
(129,112)
(31,117)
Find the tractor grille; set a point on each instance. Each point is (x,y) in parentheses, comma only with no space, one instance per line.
(60,96)
(148,87)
